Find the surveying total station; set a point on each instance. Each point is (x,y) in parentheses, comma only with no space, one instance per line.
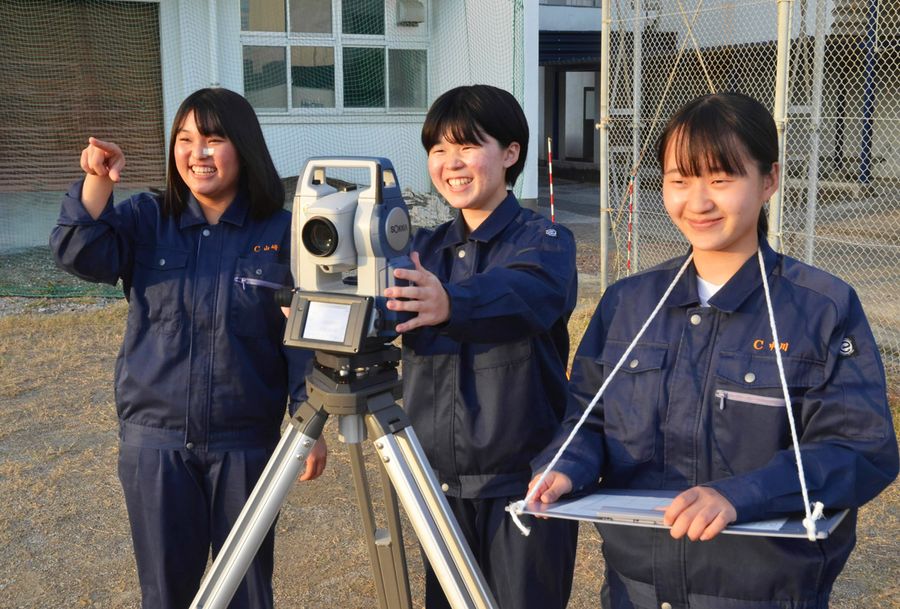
(346,241)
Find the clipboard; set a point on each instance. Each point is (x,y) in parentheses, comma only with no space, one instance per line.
(644,508)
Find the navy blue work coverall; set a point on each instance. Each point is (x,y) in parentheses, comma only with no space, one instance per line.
(699,402)
(201,380)
(486,391)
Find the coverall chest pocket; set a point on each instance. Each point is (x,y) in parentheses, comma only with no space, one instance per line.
(253,311)
(502,374)
(631,401)
(750,421)
(158,288)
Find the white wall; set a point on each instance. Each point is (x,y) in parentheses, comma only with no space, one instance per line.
(532,96)
(543,129)
(569,18)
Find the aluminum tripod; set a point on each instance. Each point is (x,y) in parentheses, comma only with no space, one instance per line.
(362,390)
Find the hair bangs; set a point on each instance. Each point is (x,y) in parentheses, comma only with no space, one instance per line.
(455,124)
(206,116)
(703,144)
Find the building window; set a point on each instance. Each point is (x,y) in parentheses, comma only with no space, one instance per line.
(311,16)
(363,17)
(302,56)
(262,15)
(363,77)
(312,77)
(408,78)
(265,81)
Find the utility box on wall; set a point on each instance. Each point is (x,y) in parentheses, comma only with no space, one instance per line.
(410,12)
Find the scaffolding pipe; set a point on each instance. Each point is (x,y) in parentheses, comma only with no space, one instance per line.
(637,37)
(213,44)
(812,176)
(603,126)
(868,109)
(782,71)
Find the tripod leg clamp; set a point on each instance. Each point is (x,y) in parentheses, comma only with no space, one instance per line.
(309,420)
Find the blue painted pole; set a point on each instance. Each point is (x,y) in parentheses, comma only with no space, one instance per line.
(868,109)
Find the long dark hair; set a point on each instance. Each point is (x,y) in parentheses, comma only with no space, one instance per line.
(711,133)
(465,114)
(225,113)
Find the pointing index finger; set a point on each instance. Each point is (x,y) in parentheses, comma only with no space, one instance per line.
(101,144)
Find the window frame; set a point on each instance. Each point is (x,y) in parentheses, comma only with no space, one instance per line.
(395,38)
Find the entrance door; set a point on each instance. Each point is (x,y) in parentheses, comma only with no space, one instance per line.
(588,121)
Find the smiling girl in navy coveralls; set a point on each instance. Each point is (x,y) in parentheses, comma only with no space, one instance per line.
(201,378)
(699,407)
(484,359)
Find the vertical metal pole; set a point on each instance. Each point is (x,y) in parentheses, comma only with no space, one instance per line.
(637,70)
(868,109)
(603,126)
(812,177)
(555,129)
(213,45)
(782,71)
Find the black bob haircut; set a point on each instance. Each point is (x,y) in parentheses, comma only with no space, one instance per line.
(713,133)
(464,115)
(222,112)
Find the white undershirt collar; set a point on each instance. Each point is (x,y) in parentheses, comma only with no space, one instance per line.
(706,290)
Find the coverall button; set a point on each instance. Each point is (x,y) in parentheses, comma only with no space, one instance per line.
(162,262)
(633,363)
(665,606)
(259,271)
(189,446)
(461,253)
(749,377)
(206,232)
(445,487)
(696,319)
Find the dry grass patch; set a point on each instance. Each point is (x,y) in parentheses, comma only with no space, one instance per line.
(64,539)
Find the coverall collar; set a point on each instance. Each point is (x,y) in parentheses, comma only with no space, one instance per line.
(733,294)
(235,214)
(487,230)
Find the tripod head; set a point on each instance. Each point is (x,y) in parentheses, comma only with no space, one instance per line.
(353,385)
(353,373)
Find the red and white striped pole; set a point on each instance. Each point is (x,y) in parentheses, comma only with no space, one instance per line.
(630,221)
(550,166)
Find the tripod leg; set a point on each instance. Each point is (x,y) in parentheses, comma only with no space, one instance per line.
(396,549)
(434,523)
(385,546)
(261,508)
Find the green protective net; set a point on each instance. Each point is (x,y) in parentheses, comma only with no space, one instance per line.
(327,78)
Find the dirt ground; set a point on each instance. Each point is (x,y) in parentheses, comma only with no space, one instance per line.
(64,539)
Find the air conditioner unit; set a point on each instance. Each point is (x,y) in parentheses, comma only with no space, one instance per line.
(410,12)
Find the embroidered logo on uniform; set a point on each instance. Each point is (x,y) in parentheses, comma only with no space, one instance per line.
(266,248)
(759,345)
(550,232)
(848,346)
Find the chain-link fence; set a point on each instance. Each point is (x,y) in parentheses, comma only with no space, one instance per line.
(839,104)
